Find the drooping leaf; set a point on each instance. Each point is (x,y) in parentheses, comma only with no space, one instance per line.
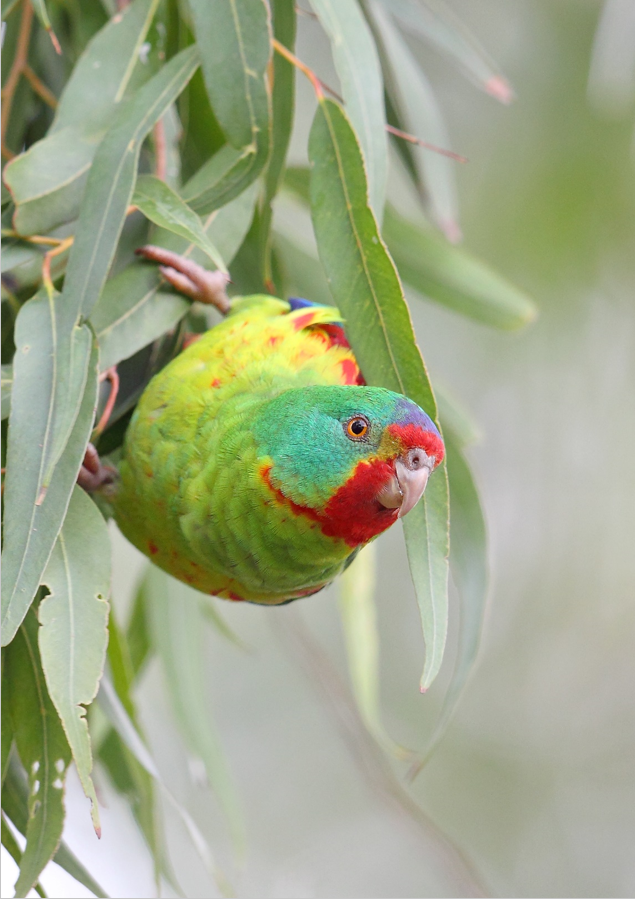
(73,633)
(412,94)
(43,750)
(14,805)
(453,277)
(48,180)
(133,310)
(468,563)
(7,724)
(359,623)
(234,41)
(7,384)
(435,22)
(111,182)
(31,528)
(11,845)
(366,288)
(455,418)
(165,208)
(177,625)
(357,64)
(235,47)
(283,102)
(112,707)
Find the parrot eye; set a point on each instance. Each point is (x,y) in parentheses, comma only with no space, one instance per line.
(357,428)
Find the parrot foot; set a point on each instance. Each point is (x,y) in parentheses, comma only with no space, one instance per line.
(189,278)
(93,475)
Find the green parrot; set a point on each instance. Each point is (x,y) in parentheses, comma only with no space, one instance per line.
(258,462)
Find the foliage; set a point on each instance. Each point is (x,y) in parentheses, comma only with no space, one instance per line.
(121,139)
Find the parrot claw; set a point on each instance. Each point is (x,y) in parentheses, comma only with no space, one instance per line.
(189,278)
(93,475)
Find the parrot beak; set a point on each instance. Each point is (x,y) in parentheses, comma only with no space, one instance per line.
(406,487)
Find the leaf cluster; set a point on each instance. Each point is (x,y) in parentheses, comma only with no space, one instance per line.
(169,122)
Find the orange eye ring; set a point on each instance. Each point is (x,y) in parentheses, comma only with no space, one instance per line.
(357,427)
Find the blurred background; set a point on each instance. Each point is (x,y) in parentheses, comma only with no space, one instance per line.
(535,778)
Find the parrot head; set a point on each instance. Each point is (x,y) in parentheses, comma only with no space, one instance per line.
(353,459)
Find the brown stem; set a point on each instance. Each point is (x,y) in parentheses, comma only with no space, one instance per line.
(318,86)
(39,87)
(46,262)
(424,143)
(17,68)
(112,376)
(160,150)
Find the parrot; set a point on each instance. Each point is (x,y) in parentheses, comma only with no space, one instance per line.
(258,462)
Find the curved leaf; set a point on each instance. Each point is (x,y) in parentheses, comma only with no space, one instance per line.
(366,288)
(42,748)
(48,180)
(165,208)
(177,624)
(359,623)
(454,278)
(31,527)
(7,385)
(412,94)
(133,310)
(357,64)
(111,182)
(435,22)
(73,626)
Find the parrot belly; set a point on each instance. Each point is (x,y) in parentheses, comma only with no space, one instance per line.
(194,494)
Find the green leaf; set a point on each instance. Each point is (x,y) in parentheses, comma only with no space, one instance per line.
(7,723)
(31,528)
(165,208)
(112,707)
(436,23)
(133,311)
(412,94)
(111,182)
(468,563)
(357,64)
(283,103)
(366,288)
(7,6)
(7,385)
(48,180)
(177,625)
(455,418)
(11,845)
(235,46)
(359,623)
(73,634)
(43,750)
(14,805)
(453,277)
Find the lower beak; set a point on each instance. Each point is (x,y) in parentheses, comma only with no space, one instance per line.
(405,488)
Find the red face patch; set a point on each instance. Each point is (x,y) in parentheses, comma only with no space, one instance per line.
(411,435)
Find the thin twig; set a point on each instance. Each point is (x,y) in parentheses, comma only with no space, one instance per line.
(39,87)
(33,238)
(424,143)
(112,376)
(17,69)
(318,86)
(160,150)
(46,262)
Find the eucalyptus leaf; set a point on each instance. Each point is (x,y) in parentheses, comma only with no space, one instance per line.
(235,47)
(177,625)
(435,22)
(412,95)
(454,278)
(359,623)
(48,180)
(14,805)
(134,310)
(366,288)
(73,634)
(358,68)
(115,712)
(31,528)
(7,385)
(165,208)
(43,750)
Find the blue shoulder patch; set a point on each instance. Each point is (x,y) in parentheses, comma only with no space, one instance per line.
(300,303)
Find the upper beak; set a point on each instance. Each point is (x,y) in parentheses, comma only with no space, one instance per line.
(406,487)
